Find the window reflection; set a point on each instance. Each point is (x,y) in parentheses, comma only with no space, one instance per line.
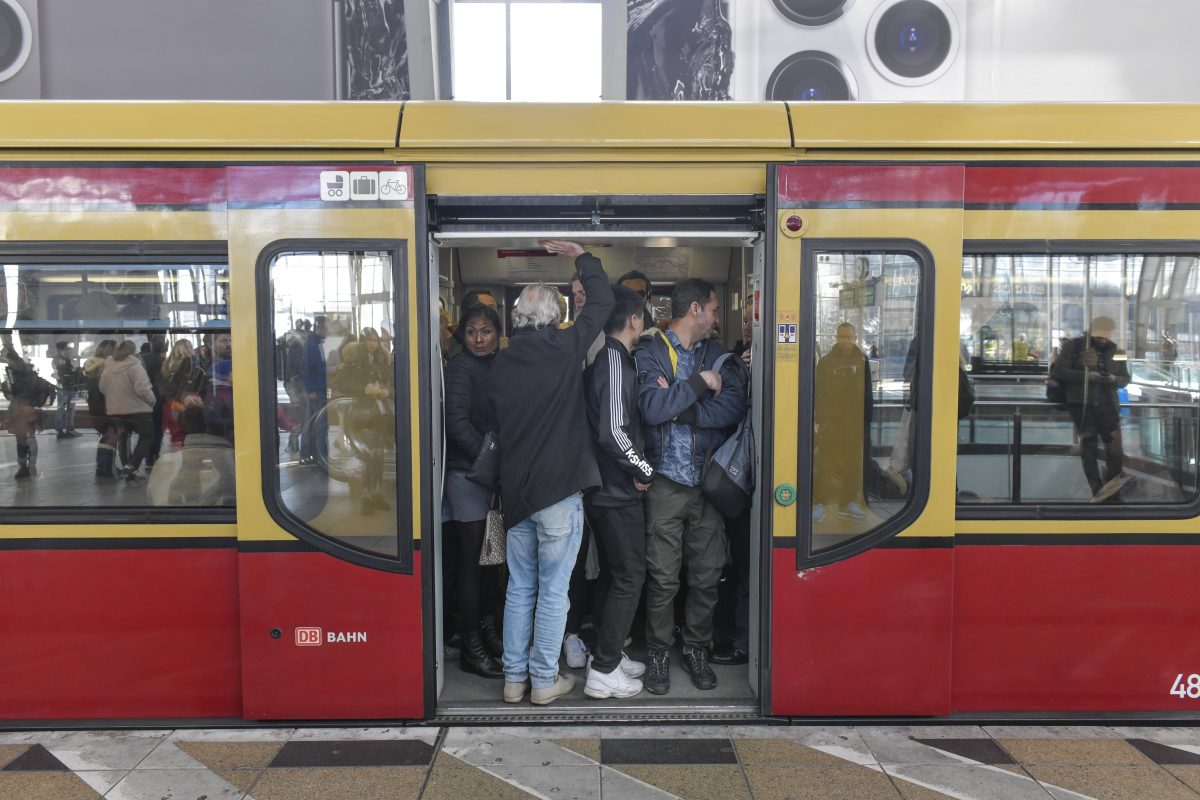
(864,414)
(1084,374)
(335,409)
(93,399)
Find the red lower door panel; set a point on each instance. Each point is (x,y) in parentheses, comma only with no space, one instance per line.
(325,639)
(867,636)
(1076,628)
(119,634)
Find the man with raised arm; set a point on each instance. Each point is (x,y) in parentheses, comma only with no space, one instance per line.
(546,463)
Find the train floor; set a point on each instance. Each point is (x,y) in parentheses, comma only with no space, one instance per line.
(631,763)
(467,692)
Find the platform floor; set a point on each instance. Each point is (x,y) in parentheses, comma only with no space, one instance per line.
(643,762)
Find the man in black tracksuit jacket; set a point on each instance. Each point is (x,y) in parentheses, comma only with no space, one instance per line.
(615,508)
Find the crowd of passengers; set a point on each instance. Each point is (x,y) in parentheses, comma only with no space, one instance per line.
(136,399)
(603,425)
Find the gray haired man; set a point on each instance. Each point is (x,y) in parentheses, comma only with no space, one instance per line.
(546,464)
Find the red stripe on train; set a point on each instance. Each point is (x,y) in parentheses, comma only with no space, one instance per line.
(118,187)
(1070,186)
(119,633)
(870,183)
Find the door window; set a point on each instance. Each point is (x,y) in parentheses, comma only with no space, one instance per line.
(334,417)
(868,408)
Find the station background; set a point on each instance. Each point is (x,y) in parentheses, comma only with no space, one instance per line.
(1008,50)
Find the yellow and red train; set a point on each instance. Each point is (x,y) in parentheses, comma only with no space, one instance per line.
(245,578)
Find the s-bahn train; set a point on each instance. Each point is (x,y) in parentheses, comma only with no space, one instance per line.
(965,562)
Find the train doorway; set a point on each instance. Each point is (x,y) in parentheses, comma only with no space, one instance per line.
(498,261)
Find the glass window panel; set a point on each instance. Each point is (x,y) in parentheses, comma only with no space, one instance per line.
(335,449)
(555,52)
(1085,387)
(863,411)
(479,52)
(118,386)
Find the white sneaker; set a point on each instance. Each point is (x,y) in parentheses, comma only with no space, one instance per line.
(615,684)
(634,669)
(575,651)
(818,513)
(851,509)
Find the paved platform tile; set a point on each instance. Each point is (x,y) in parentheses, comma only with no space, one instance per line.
(175,784)
(846,782)
(1162,754)
(984,751)
(361,753)
(219,756)
(1123,782)
(243,779)
(693,781)
(1188,774)
(449,782)
(324,783)
(667,751)
(912,791)
(1074,751)
(588,748)
(10,751)
(36,758)
(44,786)
(782,753)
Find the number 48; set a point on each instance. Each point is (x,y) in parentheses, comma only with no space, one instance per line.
(1189,689)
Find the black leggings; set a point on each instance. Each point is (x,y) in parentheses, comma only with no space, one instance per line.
(475,583)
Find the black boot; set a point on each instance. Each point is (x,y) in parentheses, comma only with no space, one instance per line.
(491,636)
(475,657)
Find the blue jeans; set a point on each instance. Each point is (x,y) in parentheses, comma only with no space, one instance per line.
(541,555)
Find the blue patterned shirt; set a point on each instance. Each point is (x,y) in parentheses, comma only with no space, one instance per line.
(677,461)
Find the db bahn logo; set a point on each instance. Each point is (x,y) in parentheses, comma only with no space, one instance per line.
(308,637)
(315,637)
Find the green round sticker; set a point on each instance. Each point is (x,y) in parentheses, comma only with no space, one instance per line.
(785,494)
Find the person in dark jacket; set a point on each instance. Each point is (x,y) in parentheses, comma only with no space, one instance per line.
(842,410)
(314,438)
(1092,368)
(106,448)
(615,508)
(23,417)
(686,415)
(468,420)
(70,380)
(153,357)
(546,463)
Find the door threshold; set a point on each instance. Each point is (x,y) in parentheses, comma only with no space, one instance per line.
(601,712)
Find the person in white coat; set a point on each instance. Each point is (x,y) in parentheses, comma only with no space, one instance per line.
(129,402)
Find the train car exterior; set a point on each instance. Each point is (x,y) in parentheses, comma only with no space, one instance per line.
(970,245)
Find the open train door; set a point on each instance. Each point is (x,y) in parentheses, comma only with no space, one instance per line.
(859,459)
(324,258)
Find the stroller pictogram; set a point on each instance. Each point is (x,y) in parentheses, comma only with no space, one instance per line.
(336,187)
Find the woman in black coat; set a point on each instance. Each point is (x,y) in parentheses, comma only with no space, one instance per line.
(468,419)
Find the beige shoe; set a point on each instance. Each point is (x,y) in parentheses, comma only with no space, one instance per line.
(562,686)
(896,478)
(515,692)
